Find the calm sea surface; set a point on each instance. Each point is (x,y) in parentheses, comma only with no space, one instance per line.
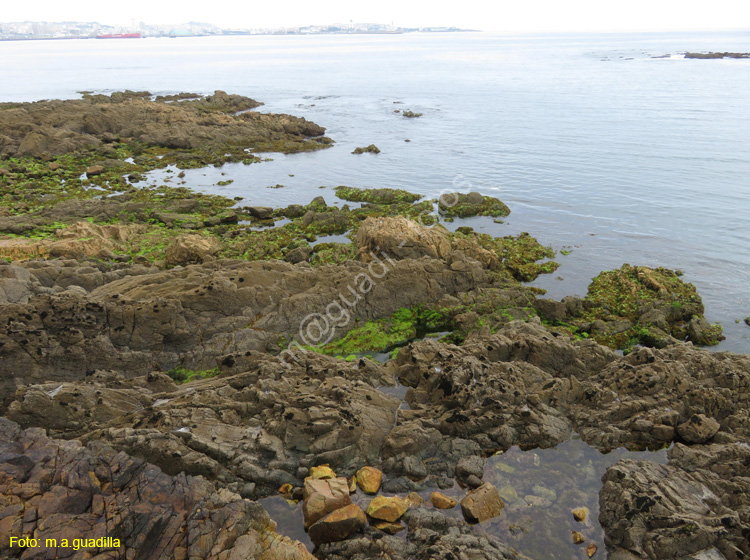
(596,146)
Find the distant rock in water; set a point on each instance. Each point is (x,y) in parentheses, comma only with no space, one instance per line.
(371,149)
(717,55)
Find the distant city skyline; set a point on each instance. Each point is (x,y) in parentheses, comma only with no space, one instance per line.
(505,15)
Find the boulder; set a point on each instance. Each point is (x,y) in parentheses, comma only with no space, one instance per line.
(482,503)
(338,525)
(369,479)
(698,429)
(260,212)
(400,238)
(95,170)
(322,496)
(191,248)
(387,509)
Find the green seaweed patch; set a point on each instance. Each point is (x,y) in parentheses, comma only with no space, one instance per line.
(371,149)
(382,335)
(333,253)
(647,306)
(412,114)
(183,375)
(462,205)
(376,196)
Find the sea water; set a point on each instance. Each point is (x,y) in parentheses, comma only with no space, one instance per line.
(598,147)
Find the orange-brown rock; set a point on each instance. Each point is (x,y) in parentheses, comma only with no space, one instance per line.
(338,525)
(441,501)
(387,509)
(578,537)
(322,472)
(322,496)
(482,503)
(388,527)
(369,479)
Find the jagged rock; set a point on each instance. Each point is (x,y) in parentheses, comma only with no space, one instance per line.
(482,503)
(369,479)
(470,470)
(698,429)
(59,489)
(580,514)
(323,496)
(697,502)
(338,525)
(387,509)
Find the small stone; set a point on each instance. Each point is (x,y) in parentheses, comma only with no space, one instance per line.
(591,549)
(387,509)
(95,170)
(414,499)
(482,504)
(285,488)
(441,501)
(389,528)
(54,166)
(577,538)
(508,494)
(580,514)
(353,485)
(544,492)
(502,467)
(369,479)
(338,525)
(322,472)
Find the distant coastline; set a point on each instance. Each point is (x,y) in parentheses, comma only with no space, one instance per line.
(44,31)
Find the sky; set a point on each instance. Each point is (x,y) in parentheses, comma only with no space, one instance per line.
(488,15)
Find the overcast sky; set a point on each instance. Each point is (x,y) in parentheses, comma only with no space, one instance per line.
(497,15)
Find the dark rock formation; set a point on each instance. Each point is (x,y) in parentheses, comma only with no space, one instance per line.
(59,490)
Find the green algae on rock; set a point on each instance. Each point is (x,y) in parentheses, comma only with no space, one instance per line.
(376,196)
(641,305)
(371,149)
(462,205)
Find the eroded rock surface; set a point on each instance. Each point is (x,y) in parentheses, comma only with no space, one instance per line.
(54,489)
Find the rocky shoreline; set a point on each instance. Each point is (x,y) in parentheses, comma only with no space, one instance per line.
(187,355)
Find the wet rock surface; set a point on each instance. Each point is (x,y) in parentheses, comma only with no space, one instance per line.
(54,489)
(171,349)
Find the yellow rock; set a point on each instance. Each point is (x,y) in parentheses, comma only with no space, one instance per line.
(369,479)
(577,537)
(414,499)
(580,514)
(387,509)
(389,528)
(591,549)
(441,501)
(353,485)
(285,488)
(322,472)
